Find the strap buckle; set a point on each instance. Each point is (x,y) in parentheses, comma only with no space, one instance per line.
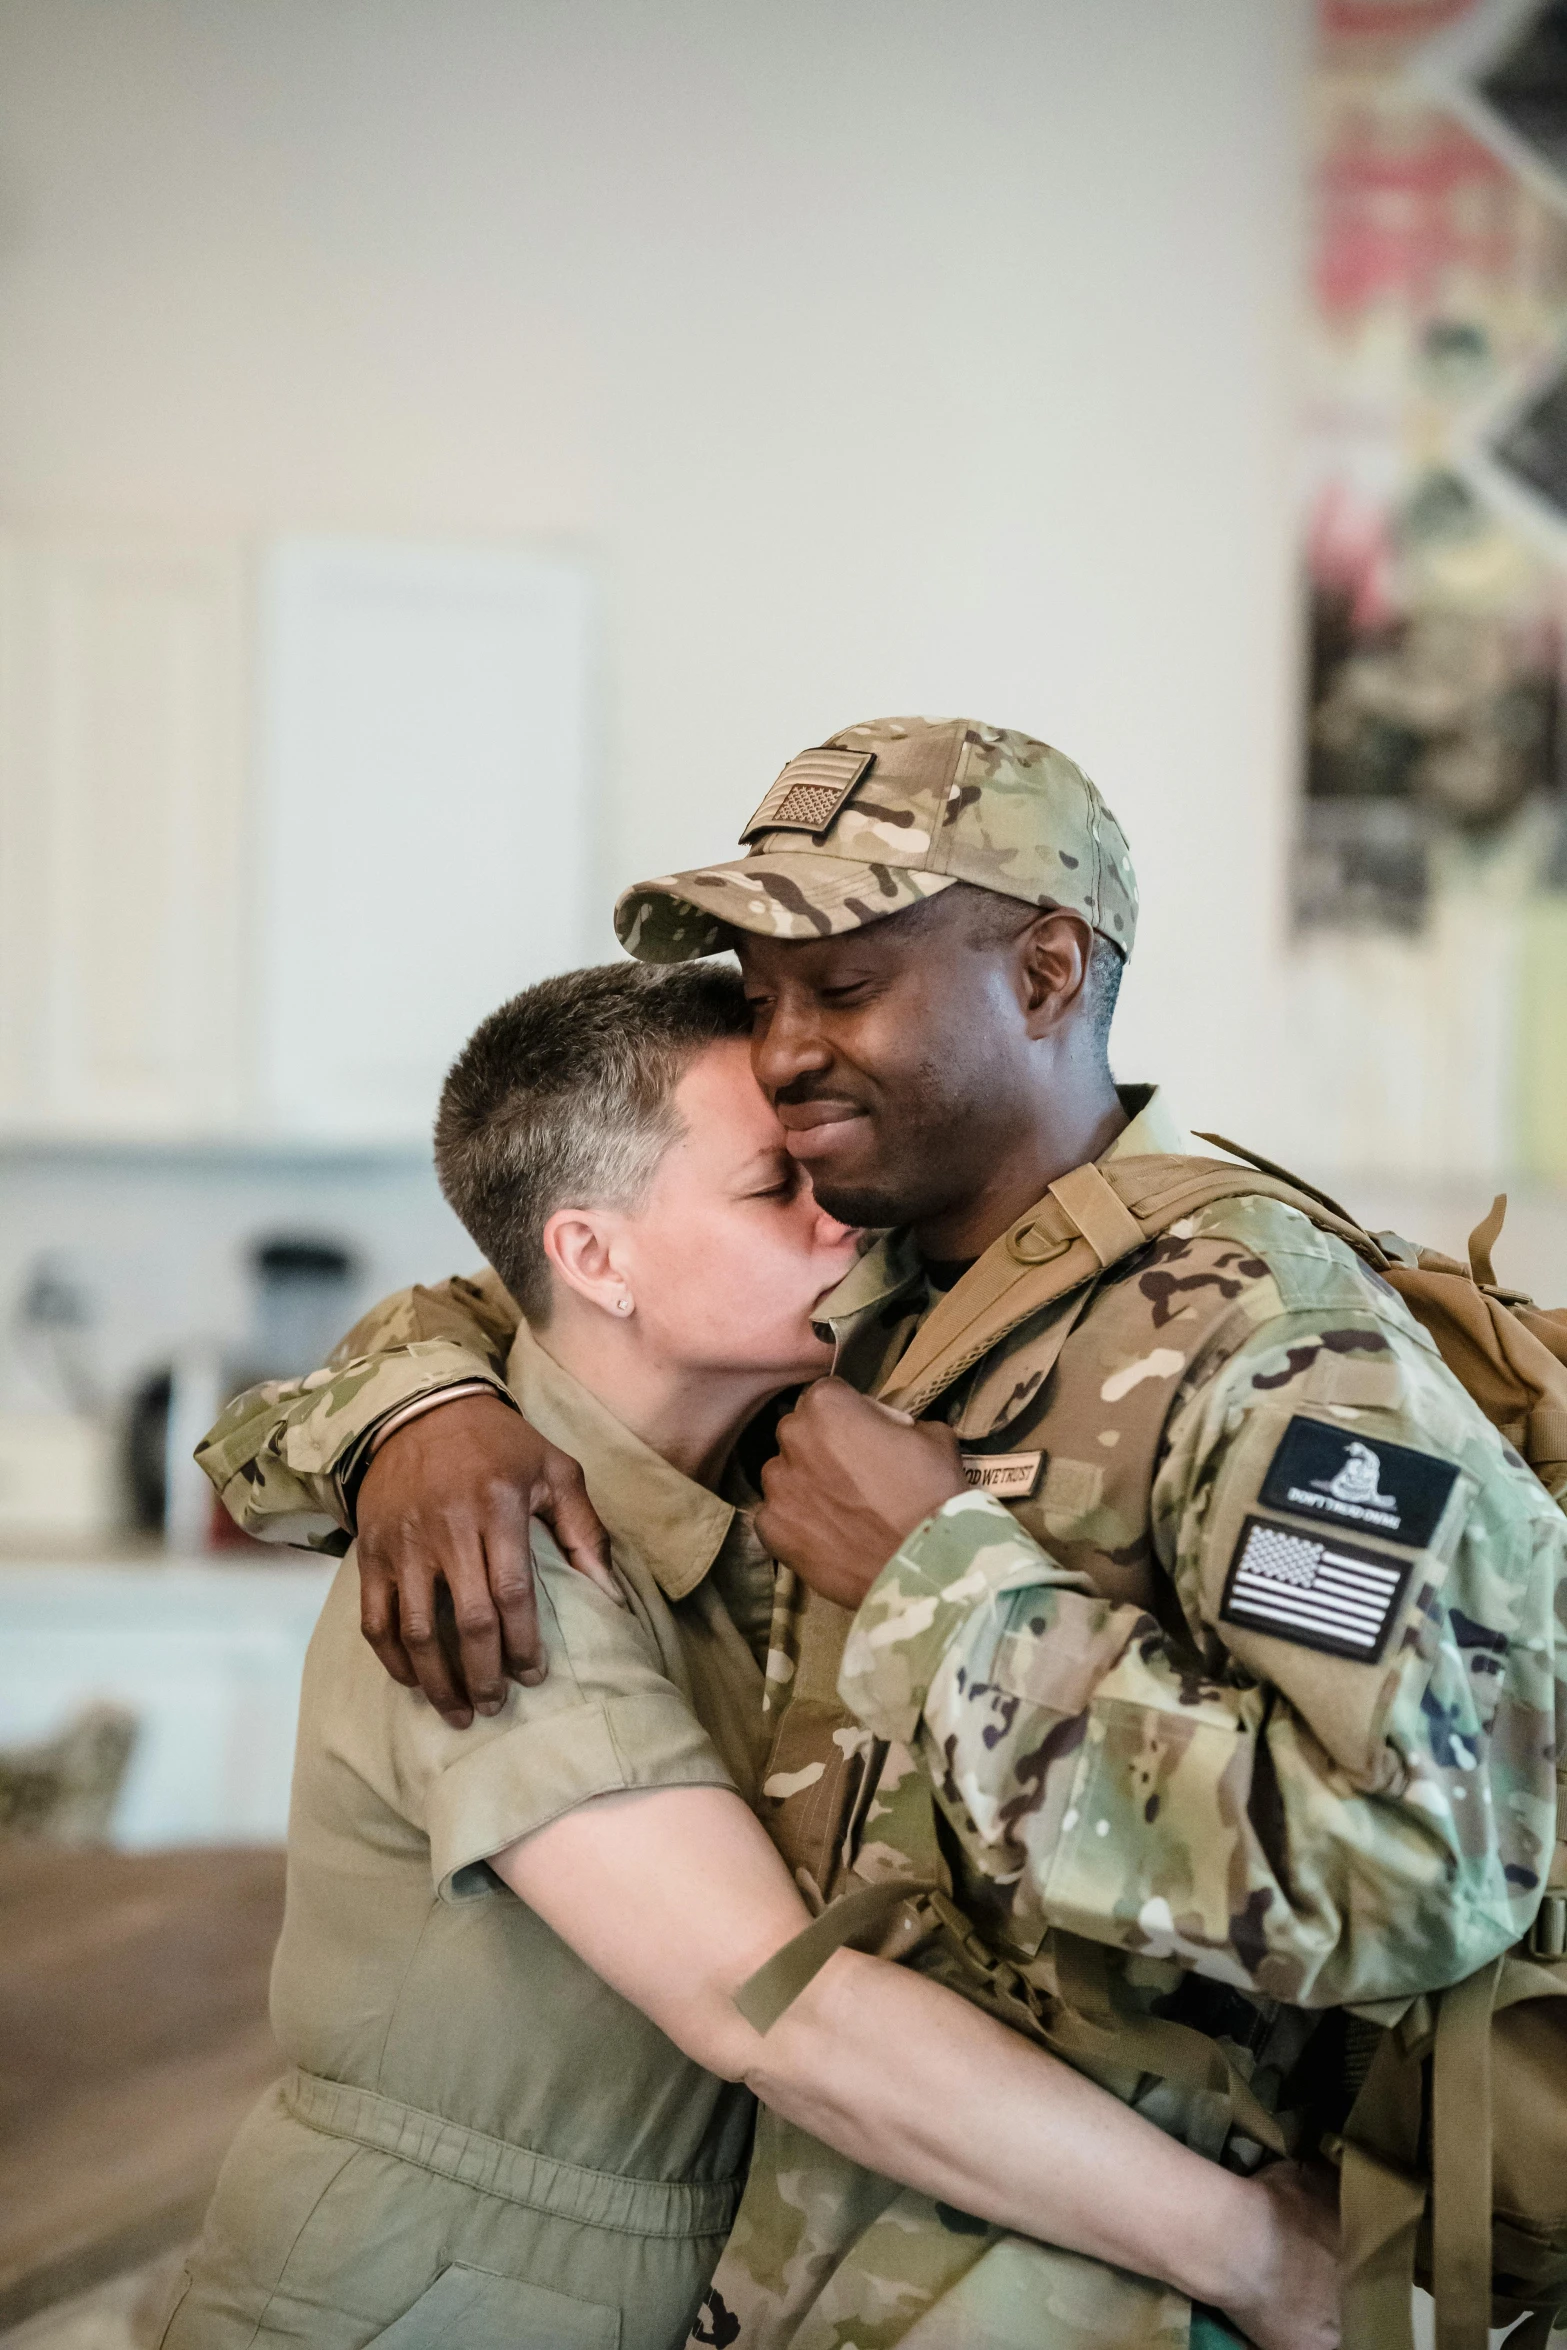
(1096,1210)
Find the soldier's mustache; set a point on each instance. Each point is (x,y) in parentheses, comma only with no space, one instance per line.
(800,1091)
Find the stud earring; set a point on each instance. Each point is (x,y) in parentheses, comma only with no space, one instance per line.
(622,1305)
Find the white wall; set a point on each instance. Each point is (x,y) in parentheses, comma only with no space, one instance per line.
(887,354)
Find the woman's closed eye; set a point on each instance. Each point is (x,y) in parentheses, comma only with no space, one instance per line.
(781,1180)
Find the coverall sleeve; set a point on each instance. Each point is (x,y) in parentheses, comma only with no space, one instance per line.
(284,1456)
(607,1719)
(1318,1828)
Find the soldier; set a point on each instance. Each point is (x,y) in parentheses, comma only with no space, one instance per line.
(1131,1660)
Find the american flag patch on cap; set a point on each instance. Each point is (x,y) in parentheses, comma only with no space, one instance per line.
(810,792)
(1316,1591)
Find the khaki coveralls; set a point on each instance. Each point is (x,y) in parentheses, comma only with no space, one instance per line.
(477,2142)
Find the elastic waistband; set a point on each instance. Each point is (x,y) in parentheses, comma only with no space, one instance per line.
(594,2198)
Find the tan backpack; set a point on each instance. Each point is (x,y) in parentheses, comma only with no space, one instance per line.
(1509,1353)
(1453,2161)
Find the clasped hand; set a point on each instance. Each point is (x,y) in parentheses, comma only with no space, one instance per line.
(850,1480)
(445,1564)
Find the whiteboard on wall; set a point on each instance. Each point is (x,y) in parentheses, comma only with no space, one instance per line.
(423,815)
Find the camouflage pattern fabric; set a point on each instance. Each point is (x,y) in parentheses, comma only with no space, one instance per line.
(1307,1826)
(825,2256)
(823,2244)
(285,1454)
(885,814)
(1218,1805)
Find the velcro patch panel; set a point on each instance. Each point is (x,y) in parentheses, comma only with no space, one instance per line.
(810,792)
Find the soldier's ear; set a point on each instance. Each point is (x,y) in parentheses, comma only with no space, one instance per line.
(1053,956)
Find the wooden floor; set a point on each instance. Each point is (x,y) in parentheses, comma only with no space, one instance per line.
(133,2040)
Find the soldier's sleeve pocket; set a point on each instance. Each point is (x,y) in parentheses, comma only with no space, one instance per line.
(1057,1661)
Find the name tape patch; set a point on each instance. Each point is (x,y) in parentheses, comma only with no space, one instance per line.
(1011,1476)
(1319,1591)
(1331,1473)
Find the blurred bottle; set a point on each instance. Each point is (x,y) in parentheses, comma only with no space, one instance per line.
(303,1291)
(198,1389)
(58,1487)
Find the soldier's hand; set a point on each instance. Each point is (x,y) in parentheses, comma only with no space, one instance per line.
(1288,2293)
(445,1564)
(850,1479)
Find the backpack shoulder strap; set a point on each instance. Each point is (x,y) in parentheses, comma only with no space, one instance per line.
(1198,1183)
(1088,1220)
(1280,1174)
(1064,1242)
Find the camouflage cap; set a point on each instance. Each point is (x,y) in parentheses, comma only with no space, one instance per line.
(883,815)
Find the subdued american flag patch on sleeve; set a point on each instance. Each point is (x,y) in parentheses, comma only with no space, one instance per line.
(1313,1589)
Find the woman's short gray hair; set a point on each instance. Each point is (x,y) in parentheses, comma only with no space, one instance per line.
(565,1098)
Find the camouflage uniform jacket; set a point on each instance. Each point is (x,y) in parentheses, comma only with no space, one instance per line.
(1266,1675)
(1097,1706)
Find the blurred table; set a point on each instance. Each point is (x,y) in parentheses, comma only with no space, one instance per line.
(133,2040)
(206,1655)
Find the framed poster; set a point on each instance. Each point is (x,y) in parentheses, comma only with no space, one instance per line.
(1434,756)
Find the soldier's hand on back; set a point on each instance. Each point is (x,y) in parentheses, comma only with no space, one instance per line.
(851,1478)
(1289,2292)
(445,1562)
